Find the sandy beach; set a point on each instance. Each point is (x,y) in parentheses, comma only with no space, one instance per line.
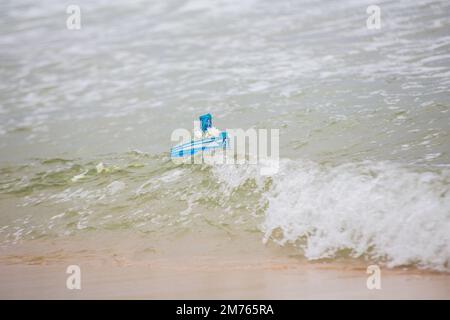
(218,270)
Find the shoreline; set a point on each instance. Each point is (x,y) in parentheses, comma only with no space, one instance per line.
(236,280)
(211,272)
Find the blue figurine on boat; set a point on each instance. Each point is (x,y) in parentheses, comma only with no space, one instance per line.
(206,138)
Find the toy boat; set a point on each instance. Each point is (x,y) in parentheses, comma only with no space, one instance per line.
(206,143)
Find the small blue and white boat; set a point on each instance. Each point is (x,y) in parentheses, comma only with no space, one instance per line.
(207,143)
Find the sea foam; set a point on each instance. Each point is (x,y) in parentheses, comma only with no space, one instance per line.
(382,211)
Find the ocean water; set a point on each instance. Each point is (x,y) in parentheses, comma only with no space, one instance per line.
(86,117)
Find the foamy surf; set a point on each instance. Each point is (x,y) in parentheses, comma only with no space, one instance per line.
(382,211)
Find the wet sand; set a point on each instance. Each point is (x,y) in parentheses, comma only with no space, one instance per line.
(235,280)
(212,271)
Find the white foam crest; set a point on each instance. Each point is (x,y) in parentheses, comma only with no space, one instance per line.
(378,210)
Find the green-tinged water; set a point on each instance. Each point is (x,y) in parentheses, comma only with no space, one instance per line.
(86,118)
(133,191)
